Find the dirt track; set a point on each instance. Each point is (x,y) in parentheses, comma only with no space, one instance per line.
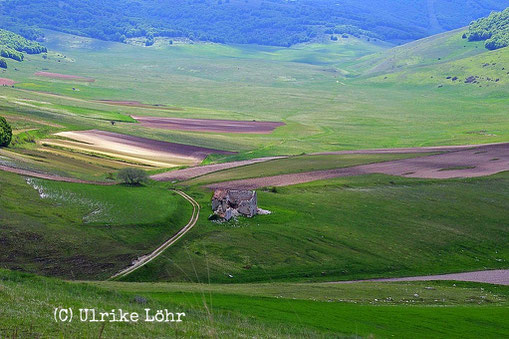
(500,277)
(208,125)
(455,162)
(142,261)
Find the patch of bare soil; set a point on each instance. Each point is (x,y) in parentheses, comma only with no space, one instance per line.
(128,103)
(455,162)
(63,76)
(6,82)
(210,125)
(499,277)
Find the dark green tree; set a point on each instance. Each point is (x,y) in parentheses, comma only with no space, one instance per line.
(3,63)
(132,176)
(5,132)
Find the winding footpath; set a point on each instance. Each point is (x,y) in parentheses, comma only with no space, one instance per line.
(142,261)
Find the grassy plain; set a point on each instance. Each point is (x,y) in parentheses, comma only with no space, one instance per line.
(312,88)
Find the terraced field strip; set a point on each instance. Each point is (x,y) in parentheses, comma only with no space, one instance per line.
(132,149)
(140,262)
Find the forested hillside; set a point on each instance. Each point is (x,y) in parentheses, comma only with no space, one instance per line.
(13,45)
(267,22)
(493,29)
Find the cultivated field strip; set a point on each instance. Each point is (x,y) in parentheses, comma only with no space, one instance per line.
(455,162)
(52,177)
(209,125)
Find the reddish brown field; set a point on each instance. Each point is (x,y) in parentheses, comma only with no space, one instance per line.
(128,103)
(6,82)
(455,162)
(63,76)
(208,125)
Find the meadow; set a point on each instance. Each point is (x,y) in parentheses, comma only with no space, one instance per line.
(328,99)
(402,309)
(346,228)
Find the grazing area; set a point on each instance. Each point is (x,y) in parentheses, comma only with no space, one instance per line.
(348,228)
(234,310)
(204,125)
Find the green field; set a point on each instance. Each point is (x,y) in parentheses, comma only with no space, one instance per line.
(379,310)
(347,228)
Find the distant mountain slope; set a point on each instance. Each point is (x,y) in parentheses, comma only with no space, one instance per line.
(437,49)
(267,22)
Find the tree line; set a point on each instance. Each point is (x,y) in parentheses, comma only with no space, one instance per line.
(493,29)
(13,45)
(265,22)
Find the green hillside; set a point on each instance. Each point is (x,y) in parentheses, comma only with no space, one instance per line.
(434,50)
(489,69)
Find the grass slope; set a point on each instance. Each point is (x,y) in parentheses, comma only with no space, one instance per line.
(82,231)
